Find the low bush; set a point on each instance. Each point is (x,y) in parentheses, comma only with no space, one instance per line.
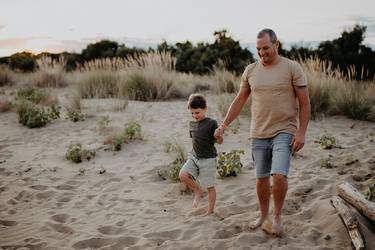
(75,115)
(31,94)
(327,142)
(33,116)
(77,154)
(229,164)
(132,131)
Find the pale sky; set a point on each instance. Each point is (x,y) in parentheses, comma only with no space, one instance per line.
(59,25)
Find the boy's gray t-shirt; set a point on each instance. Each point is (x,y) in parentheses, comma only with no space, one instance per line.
(202,133)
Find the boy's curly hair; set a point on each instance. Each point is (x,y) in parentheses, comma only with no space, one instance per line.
(197,101)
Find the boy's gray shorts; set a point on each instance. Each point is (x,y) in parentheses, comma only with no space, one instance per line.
(202,170)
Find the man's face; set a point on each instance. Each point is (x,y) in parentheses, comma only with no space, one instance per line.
(267,51)
(198,114)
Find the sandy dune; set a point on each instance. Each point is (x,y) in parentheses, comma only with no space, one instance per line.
(47,202)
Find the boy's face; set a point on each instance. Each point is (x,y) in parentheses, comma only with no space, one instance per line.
(198,114)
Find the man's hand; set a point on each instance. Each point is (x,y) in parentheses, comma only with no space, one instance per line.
(219,132)
(298,142)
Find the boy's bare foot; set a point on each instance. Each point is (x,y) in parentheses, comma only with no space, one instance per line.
(198,196)
(257,223)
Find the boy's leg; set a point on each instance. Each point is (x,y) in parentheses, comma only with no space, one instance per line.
(207,172)
(211,200)
(198,192)
(188,174)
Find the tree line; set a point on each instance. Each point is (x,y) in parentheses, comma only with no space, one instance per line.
(347,51)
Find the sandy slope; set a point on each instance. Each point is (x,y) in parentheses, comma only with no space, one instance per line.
(45,203)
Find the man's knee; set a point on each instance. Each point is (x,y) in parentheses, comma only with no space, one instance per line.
(263,180)
(279,178)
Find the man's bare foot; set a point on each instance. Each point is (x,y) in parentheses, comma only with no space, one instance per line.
(267,226)
(198,196)
(277,228)
(208,213)
(257,223)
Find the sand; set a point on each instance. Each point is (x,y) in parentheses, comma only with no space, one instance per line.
(47,202)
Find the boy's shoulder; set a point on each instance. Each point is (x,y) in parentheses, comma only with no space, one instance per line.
(207,120)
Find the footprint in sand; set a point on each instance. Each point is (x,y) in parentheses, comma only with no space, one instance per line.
(291,207)
(60,218)
(65,187)
(110,243)
(227,233)
(60,228)
(3,189)
(8,223)
(45,195)
(111,230)
(162,236)
(39,187)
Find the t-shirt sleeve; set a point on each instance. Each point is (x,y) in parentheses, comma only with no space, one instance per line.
(244,79)
(298,76)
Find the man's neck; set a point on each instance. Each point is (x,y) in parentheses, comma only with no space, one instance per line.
(273,62)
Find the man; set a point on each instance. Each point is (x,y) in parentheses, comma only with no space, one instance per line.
(275,83)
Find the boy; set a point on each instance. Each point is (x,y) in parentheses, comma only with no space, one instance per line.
(201,161)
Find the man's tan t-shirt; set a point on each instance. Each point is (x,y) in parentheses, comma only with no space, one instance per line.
(274,105)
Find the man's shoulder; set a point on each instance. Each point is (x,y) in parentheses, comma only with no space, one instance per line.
(291,63)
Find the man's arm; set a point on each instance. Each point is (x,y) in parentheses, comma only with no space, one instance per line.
(304,117)
(234,110)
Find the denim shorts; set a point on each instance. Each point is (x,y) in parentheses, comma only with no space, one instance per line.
(272,155)
(201,170)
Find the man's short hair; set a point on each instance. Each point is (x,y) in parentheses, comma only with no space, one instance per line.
(270,32)
(197,101)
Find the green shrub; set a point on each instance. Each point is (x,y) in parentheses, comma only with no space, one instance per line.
(50,73)
(54,112)
(133,131)
(355,101)
(31,94)
(75,115)
(172,170)
(6,76)
(320,101)
(327,142)
(5,106)
(139,88)
(370,193)
(326,163)
(229,164)
(31,115)
(99,84)
(116,142)
(76,154)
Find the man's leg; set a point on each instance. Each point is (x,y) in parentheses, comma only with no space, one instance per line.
(279,190)
(281,156)
(261,154)
(263,192)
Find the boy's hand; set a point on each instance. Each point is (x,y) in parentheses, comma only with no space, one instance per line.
(219,132)
(219,139)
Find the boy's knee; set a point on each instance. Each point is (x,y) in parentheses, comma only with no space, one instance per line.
(211,189)
(183,175)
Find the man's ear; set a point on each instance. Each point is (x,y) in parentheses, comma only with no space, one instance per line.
(277,44)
